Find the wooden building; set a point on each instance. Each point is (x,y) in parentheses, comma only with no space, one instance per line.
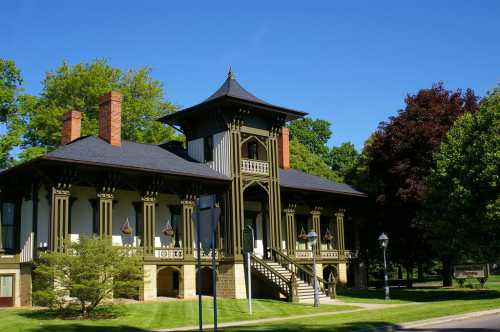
(237,147)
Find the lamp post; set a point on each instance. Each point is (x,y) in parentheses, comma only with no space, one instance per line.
(312,239)
(384,241)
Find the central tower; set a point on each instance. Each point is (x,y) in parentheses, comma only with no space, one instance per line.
(237,134)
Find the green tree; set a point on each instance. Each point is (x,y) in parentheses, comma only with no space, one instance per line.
(343,159)
(10,83)
(464,188)
(303,159)
(313,134)
(79,87)
(90,270)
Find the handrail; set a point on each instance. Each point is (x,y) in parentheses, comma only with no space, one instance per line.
(301,271)
(285,285)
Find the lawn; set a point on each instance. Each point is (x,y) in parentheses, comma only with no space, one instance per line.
(143,316)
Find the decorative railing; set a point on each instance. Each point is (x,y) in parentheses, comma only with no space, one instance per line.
(207,255)
(285,286)
(169,253)
(304,254)
(255,166)
(329,254)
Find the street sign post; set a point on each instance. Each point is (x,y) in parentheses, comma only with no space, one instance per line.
(248,239)
(206,219)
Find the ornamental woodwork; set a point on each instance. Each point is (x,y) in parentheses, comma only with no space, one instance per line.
(105,211)
(340,230)
(291,229)
(59,219)
(148,202)
(316,225)
(187,207)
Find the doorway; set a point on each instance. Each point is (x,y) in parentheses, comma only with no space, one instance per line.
(7,290)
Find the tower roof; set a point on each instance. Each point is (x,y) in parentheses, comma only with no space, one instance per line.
(232,91)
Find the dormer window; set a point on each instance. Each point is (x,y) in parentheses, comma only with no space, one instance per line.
(208,145)
(252,150)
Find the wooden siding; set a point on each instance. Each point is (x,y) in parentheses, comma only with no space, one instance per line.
(221,154)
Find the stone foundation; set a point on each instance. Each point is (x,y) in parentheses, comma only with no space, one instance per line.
(187,287)
(231,281)
(149,289)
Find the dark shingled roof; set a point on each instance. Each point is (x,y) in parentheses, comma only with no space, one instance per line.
(157,158)
(131,155)
(295,179)
(232,90)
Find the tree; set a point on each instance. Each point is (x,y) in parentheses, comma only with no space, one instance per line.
(79,87)
(399,158)
(10,83)
(90,270)
(303,159)
(313,134)
(343,159)
(464,188)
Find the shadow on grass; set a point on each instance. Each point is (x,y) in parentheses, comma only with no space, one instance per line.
(100,313)
(424,294)
(294,327)
(75,327)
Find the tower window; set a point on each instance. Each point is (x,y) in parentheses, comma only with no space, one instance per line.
(208,145)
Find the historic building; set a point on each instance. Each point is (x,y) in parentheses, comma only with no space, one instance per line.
(143,196)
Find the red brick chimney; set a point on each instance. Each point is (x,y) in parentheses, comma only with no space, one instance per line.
(72,125)
(110,118)
(284,148)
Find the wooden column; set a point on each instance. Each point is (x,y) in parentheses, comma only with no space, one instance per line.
(105,212)
(187,208)
(59,218)
(291,229)
(316,224)
(148,200)
(340,230)
(274,192)
(236,217)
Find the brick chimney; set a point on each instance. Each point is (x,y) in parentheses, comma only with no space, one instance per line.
(110,118)
(72,125)
(284,148)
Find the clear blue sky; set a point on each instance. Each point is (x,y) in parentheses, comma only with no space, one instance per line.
(351,63)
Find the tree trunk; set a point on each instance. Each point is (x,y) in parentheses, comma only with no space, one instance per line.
(420,271)
(409,275)
(447,273)
(400,272)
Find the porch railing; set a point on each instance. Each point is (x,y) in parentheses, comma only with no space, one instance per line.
(208,255)
(255,166)
(351,254)
(169,253)
(329,254)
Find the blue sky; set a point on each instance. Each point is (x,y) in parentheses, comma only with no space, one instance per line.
(351,63)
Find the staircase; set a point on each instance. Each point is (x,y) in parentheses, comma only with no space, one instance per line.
(304,291)
(294,281)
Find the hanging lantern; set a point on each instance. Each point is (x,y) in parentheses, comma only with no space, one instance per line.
(302,234)
(167,229)
(328,236)
(126,228)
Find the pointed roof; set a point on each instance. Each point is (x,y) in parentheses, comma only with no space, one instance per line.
(232,88)
(232,91)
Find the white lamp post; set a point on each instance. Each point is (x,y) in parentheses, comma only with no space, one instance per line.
(312,239)
(384,242)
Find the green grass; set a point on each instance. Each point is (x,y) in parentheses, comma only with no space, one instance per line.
(143,316)
(372,318)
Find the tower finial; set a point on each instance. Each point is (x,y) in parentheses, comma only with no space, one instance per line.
(230,74)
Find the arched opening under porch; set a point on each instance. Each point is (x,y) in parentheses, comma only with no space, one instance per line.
(329,270)
(168,281)
(256,214)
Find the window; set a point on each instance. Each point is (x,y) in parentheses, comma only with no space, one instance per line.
(208,146)
(6,282)
(252,150)
(95,216)
(9,226)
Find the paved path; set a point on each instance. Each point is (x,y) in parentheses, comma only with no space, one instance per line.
(483,321)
